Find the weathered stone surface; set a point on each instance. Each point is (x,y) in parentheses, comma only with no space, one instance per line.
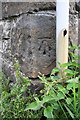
(79,37)
(36,86)
(77,5)
(72,7)
(32,40)
(15,8)
(73,28)
(79,30)
(74,31)
(29,35)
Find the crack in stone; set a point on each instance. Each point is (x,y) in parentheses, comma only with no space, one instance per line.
(28,13)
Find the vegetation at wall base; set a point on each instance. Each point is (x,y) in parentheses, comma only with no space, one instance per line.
(59,99)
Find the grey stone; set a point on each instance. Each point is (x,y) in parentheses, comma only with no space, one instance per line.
(33,43)
(73,28)
(79,31)
(8,69)
(16,8)
(29,34)
(36,86)
(72,8)
(77,5)
(79,37)
(10,9)
(74,32)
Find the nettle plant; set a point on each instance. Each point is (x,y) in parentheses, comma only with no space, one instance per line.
(59,99)
(13,100)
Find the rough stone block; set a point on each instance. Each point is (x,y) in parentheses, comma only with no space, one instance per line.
(32,40)
(16,8)
(77,5)
(73,28)
(29,34)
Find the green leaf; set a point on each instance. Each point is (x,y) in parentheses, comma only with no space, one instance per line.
(23,89)
(49,78)
(70,86)
(37,99)
(55,105)
(74,64)
(61,88)
(59,64)
(60,95)
(52,93)
(69,111)
(76,57)
(69,71)
(70,47)
(34,106)
(68,100)
(56,78)
(55,70)
(52,78)
(75,46)
(66,65)
(48,112)
(47,98)
(73,80)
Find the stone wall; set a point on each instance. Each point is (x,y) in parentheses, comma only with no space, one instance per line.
(28,33)
(78,9)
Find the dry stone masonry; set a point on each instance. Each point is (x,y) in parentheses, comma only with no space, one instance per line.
(28,33)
